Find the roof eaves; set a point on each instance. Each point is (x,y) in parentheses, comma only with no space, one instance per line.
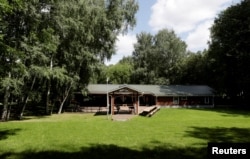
(124,86)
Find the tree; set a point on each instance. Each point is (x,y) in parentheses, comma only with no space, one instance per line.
(229,51)
(39,44)
(142,51)
(156,57)
(12,71)
(120,73)
(92,29)
(56,45)
(193,69)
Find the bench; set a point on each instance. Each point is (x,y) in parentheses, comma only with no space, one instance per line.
(125,107)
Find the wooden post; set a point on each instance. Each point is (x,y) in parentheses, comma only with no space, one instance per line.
(156,100)
(137,104)
(112,104)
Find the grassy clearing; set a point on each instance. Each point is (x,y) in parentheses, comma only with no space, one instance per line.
(172,133)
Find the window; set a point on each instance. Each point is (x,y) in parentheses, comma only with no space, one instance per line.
(206,100)
(176,100)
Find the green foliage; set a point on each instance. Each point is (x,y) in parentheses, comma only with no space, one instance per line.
(193,69)
(155,57)
(119,73)
(229,51)
(128,60)
(54,46)
(14,85)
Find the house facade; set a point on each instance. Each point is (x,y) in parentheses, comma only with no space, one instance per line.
(134,96)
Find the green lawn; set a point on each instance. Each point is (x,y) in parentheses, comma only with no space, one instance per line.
(170,133)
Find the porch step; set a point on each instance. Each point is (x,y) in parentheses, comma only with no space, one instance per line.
(149,111)
(153,112)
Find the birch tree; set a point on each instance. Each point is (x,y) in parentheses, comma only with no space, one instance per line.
(52,47)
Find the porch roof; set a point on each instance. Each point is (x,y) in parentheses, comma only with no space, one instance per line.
(156,90)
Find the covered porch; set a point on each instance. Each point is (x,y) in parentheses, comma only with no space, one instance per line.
(124,99)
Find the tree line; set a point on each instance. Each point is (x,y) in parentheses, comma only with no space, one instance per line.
(164,59)
(48,48)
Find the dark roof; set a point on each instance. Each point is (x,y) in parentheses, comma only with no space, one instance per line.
(156,90)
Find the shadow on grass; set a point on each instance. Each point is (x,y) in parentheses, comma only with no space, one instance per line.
(34,117)
(4,134)
(227,111)
(220,134)
(100,113)
(123,112)
(98,151)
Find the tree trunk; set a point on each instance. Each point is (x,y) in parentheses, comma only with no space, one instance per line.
(26,99)
(52,108)
(8,112)
(64,99)
(48,89)
(47,98)
(5,104)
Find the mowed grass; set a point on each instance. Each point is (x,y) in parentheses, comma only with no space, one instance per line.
(170,133)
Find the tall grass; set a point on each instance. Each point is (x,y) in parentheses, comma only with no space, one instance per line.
(176,133)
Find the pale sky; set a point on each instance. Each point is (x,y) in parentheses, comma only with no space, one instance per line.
(190,19)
